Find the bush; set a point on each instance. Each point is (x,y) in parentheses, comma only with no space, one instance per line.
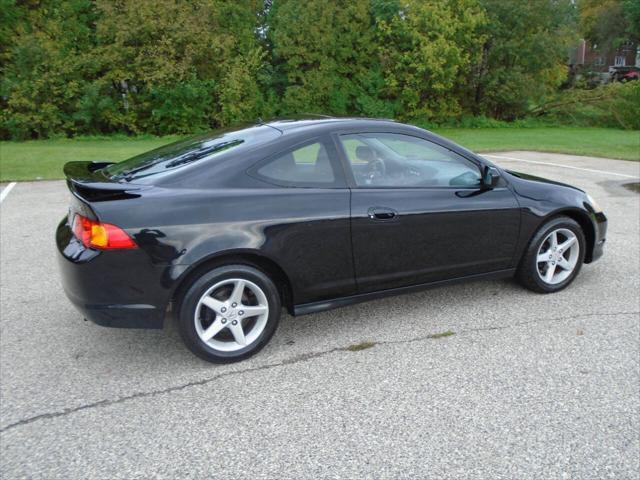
(615,105)
(78,67)
(483,122)
(182,108)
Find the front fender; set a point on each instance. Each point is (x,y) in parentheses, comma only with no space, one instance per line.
(541,200)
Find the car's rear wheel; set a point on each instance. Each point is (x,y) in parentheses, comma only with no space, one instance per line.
(229,313)
(554,256)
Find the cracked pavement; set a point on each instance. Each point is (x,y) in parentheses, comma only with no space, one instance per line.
(529,386)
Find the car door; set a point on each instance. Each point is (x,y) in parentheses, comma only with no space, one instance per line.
(305,218)
(418,213)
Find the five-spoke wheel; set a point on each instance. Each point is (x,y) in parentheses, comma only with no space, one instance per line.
(554,256)
(229,313)
(557,256)
(234,306)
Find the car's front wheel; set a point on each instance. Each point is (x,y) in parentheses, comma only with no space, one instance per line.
(229,313)
(554,256)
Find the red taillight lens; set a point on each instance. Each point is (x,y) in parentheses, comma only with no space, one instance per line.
(103,236)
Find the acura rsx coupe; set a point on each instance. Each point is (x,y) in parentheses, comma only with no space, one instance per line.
(227,228)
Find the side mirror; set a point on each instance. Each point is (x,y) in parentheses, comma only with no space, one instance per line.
(490,178)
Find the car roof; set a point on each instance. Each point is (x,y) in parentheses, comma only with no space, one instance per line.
(313,121)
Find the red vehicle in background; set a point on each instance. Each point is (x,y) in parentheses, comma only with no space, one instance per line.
(624,74)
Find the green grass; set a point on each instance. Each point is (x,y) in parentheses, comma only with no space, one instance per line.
(43,159)
(596,142)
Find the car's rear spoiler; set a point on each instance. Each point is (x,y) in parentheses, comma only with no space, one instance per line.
(85,180)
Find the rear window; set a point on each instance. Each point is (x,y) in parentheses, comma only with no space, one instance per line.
(194,149)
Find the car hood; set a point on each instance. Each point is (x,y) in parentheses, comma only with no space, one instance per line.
(533,178)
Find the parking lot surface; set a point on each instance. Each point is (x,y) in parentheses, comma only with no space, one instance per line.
(527,386)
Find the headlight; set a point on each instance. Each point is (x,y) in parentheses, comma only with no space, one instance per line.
(594,204)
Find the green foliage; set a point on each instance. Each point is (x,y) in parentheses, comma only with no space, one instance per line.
(78,67)
(183,108)
(610,23)
(631,9)
(178,67)
(97,110)
(240,96)
(323,55)
(43,74)
(424,51)
(159,67)
(10,15)
(523,56)
(614,105)
(480,121)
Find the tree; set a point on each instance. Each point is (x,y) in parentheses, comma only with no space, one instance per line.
(171,60)
(425,48)
(610,23)
(10,15)
(632,14)
(168,66)
(43,75)
(523,56)
(138,66)
(322,54)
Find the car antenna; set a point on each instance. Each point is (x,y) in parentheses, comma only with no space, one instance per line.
(261,122)
(317,115)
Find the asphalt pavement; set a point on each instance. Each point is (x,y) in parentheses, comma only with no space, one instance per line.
(523,385)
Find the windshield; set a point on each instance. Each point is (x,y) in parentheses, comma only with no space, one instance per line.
(201,147)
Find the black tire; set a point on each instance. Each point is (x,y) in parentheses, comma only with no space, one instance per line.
(527,273)
(188,304)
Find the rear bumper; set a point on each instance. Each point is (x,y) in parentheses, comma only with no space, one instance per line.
(119,316)
(119,288)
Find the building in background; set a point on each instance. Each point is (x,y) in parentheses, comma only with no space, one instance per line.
(588,58)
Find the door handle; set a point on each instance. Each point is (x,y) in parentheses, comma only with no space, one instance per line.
(382,213)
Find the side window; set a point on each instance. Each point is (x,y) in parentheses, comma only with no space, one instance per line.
(397,160)
(305,166)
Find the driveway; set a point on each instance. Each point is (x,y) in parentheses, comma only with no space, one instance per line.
(527,386)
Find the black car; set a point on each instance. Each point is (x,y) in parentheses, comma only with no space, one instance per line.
(309,214)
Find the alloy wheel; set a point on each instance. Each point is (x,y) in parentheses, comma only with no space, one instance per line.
(231,314)
(558,256)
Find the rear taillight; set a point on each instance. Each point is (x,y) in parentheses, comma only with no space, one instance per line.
(102,236)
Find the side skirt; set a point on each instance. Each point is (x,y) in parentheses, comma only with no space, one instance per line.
(315,307)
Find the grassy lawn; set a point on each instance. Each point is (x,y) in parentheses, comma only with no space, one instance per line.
(596,142)
(43,159)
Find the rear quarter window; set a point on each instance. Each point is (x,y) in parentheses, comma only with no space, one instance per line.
(310,165)
(215,145)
